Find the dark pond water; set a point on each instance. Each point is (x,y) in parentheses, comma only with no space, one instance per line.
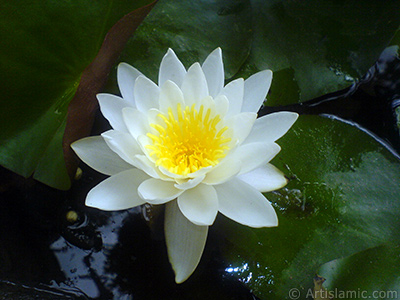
(53,247)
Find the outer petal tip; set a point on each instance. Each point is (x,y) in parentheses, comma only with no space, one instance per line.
(122,65)
(185,242)
(117,192)
(97,154)
(171,68)
(170,51)
(218,52)
(213,68)
(126,76)
(268,73)
(256,88)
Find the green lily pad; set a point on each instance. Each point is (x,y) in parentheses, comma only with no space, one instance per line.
(192,28)
(396,38)
(342,198)
(397,112)
(327,44)
(314,48)
(320,46)
(372,273)
(46,47)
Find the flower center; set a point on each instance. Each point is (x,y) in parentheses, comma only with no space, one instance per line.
(189,142)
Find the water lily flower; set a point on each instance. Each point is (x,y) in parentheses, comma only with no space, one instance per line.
(190,142)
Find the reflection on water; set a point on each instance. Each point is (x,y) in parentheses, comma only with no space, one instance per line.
(240,272)
(83,268)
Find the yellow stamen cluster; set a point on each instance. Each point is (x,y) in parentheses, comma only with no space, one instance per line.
(189,142)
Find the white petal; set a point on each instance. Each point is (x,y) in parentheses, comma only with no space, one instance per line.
(126,76)
(271,127)
(117,192)
(144,141)
(157,191)
(265,179)
(147,166)
(208,102)
(241,125)
(198,173)
(189,183)
(170,174)
(135,121)
(111,107)
(170,96)
(224,171)
(185,242)
(213,69)
(146,93)
(234,91)
(245,205)
(123,144)
(255,90)
(171,68)
(153,116)
(94,152)
(254,155)
(199,205)
(194,86)
(221,105)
